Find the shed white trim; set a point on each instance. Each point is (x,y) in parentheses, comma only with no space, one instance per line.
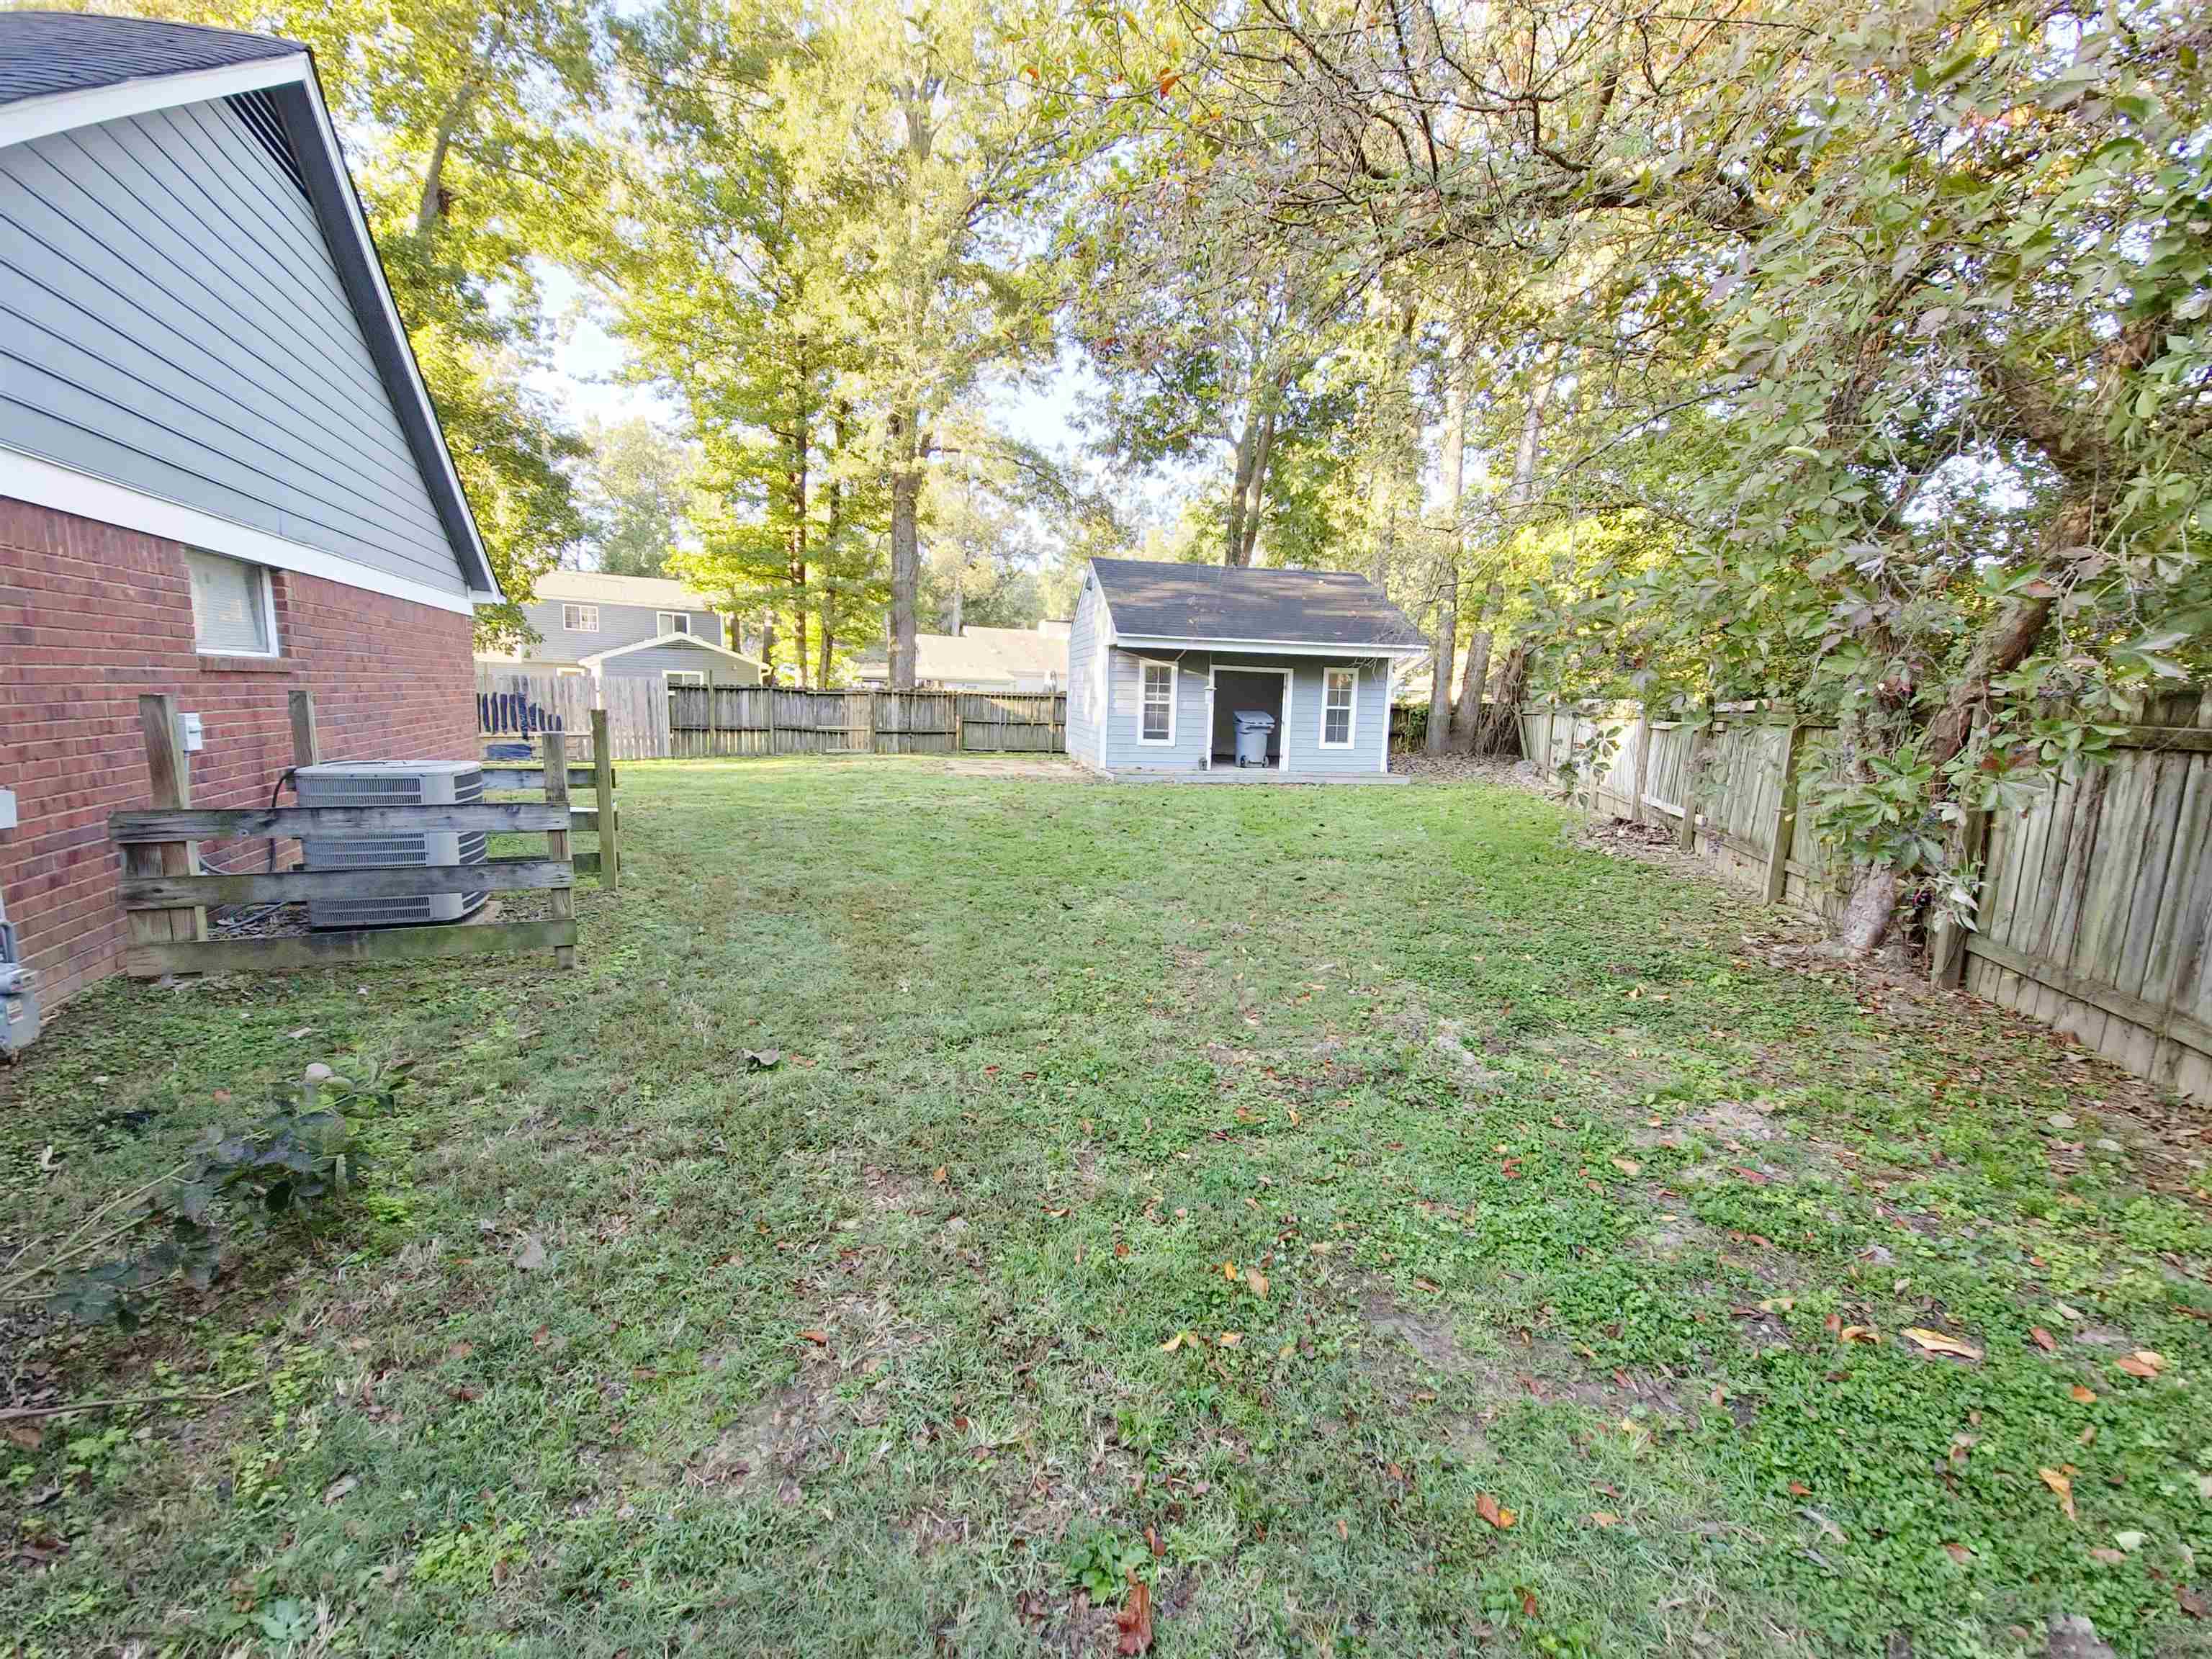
(1352,720)
(1271,647)
(46,483)
(1282,724)
(692,640)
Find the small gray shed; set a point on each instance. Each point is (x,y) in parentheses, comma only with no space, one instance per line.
(1163,658)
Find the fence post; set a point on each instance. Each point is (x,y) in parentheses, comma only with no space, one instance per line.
(959,723)
(562,899)
(603,792)
(872,695)
(1785,818)
(1643,758)
(1699,736)
(168,770)
(768,692)
(305,751)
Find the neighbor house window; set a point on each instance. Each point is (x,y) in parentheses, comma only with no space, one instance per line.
(1339,691)
(686,677)
(1157,705)
(581,618)
(671,622)
(234,614)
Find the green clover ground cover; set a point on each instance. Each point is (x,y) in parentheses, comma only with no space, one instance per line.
(1377,1222)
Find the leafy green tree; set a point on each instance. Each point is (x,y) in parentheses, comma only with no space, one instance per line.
(1884,336)
(639,485)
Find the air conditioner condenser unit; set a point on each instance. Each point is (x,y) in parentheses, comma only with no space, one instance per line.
(391,783)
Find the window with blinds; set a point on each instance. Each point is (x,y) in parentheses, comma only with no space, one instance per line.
(232,615)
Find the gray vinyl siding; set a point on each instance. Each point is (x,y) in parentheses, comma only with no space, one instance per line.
(1084,644)
(690,658)
(1301,727)
(174,323)
(1371,719)
(619,625)
(1125,713)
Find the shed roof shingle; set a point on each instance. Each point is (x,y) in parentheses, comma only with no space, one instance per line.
(45,52)
(1203,602)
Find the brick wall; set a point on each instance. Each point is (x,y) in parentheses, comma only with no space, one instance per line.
(90,618)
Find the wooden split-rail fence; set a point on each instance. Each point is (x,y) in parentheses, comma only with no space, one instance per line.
(2094,908)
(167,894)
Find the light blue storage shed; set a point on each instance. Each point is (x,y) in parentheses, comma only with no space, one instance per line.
(1163,658)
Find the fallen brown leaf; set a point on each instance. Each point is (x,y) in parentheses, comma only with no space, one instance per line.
(2064,1485)
(1937,1342)
(2043,1339)
(819,1338)
(1628,1166)
(1494,1512)
(2082,1395)
(1134,1621)
(1604,1518)
(2142,1363)
(1959,1552)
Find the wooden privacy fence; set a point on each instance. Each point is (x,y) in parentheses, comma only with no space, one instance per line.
(2095,904)
(165,894)
(522,702)
(764,720)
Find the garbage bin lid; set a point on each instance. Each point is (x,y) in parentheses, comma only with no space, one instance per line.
(1257,719)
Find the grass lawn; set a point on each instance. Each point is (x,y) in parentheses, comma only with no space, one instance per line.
(1380,1222)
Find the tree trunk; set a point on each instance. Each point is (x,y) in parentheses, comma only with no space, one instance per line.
(430,207)
(1503,717)
(1455,482)
(1246,443)
(768,644)
(1467,716)
(1255,491)
(1865,923)
(905,546)
(801,442)
(959,593)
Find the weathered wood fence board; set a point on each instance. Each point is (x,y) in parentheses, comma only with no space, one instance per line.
(762,719)
(2095,909)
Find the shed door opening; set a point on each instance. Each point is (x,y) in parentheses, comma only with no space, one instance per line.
(1235,690)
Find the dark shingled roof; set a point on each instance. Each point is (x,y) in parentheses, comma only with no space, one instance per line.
(1201,602)
(43,52)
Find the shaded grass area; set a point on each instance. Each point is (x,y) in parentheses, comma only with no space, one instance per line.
(1475,1172)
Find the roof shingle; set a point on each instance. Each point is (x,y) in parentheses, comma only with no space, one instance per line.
(1212,602)
(45,52)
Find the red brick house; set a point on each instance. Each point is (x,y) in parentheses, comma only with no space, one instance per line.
(221,476)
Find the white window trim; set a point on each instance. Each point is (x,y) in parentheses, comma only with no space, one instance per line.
(1352,726)
(1174,689)
(672,678)
(665,622)
(267,610)
(580,611)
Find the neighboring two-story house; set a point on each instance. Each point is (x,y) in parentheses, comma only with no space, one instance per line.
(631,627)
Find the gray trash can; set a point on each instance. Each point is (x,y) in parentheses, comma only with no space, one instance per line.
(1252,727)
